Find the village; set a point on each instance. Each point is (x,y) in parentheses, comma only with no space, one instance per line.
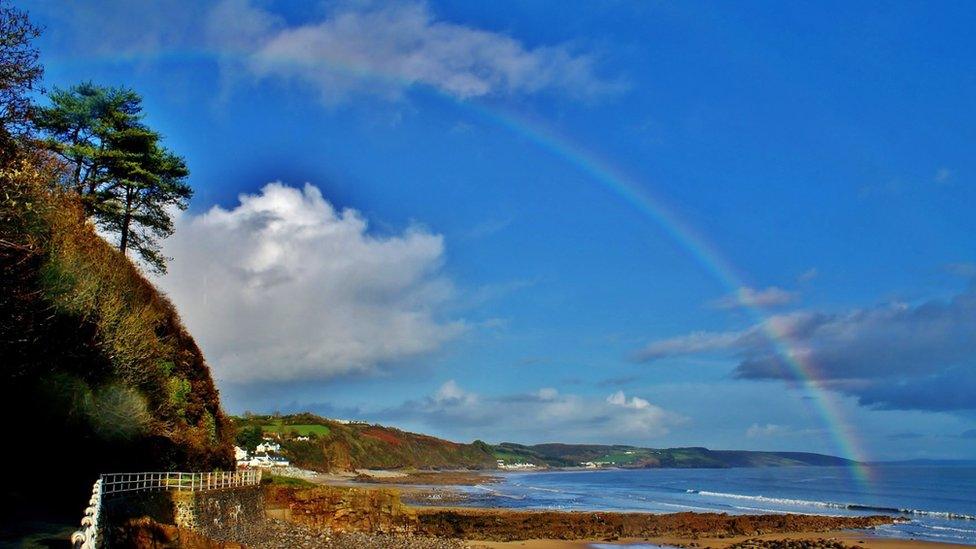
(266,454)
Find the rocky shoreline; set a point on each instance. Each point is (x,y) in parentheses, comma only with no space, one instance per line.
(509,525)
(345,517)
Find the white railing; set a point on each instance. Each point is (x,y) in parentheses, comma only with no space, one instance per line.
(118,483)
(87,536)
(114,483)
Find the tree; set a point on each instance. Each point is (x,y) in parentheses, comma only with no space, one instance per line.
(80,123)
(128,182)
(249,437)
(20,73)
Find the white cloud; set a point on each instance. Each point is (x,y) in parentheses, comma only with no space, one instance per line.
(693,343)
(539,416)
(620,399)
(548,393)
(761,431)
(284,287)
(451,392)
(383,48)
(751,297)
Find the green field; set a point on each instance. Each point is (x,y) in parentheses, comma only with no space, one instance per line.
(300,429)
(623,458)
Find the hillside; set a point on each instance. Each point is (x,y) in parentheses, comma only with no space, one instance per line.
(98,372)
(340,446)
(562,455)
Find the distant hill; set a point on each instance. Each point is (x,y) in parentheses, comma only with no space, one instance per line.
(565,455)
(335,445)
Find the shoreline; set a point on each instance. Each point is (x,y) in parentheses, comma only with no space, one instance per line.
(856,538)
(445,509)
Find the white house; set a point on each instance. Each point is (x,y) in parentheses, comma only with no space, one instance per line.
(267,446)
(240,454)
(520,466)
(265,460)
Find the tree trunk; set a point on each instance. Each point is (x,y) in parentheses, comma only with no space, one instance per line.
(126,220)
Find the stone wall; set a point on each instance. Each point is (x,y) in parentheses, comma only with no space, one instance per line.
(217,514)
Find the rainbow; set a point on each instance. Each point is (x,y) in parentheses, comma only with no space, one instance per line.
(702,251)
(637,196)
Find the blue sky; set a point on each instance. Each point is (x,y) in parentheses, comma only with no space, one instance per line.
(393,218)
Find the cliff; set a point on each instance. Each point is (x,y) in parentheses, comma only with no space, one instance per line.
(98,372)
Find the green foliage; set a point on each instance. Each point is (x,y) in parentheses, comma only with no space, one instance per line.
(127,181)
(179,388)
(289,482)
(73,308)
(297,430)
(249,437)
(20,73)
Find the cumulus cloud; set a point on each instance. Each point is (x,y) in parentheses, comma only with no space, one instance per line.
(620,399)
(750,297)
(891,356)
(384,48)
(285,287)
(539,416)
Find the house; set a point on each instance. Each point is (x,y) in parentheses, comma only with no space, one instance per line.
(520,466)
(268,446)
(240,453)
(302,438)
(267,460)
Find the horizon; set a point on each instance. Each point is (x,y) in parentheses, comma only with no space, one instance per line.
(655,225)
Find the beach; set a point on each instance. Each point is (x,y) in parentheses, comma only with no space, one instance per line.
(846,537)
(465,505)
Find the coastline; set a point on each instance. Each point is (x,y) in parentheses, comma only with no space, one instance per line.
(437,500)
(849,537)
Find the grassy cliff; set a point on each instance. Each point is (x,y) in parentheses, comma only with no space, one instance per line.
(335,446)
(98,373)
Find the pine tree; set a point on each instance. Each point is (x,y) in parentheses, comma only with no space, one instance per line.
(129,183)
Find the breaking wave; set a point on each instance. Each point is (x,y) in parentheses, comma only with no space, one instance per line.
(835,505)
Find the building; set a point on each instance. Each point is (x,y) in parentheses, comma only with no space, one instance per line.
(267,460)
(520,466)
(268,446)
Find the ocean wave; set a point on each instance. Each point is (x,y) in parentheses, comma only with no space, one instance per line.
(951,529)
(835,505)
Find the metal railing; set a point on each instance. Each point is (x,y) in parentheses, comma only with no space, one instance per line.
(119,483)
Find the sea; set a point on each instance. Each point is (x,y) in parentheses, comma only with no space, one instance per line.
(934,502)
